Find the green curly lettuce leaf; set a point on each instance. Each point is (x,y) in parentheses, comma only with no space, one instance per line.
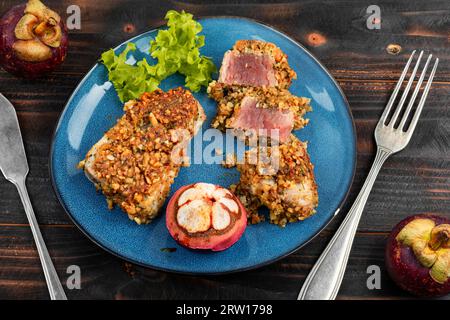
(129,80)
(177,49)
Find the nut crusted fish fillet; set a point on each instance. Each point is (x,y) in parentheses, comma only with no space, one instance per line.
(137,160)
(285,184)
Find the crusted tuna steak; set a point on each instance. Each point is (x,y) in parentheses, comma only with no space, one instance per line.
(253,100)
(256,63)
(255,111)
(136,161)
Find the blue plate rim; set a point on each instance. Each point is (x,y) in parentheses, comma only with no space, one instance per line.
(193,273)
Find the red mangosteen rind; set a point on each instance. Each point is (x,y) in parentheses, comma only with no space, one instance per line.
(404,266)
(214,240)
(54,54)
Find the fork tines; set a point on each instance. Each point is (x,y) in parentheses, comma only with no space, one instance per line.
(391,123)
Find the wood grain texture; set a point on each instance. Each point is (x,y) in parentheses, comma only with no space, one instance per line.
(414,181)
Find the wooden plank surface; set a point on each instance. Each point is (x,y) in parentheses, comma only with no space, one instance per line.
(415,181)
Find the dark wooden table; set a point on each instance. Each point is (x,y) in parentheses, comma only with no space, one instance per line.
(414,181)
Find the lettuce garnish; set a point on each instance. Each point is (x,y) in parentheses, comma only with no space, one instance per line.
(177,49)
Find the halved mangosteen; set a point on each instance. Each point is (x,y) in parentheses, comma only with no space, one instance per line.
(33,40)
(205,216)
(418,255)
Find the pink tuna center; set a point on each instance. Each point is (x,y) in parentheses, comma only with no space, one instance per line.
(248,69)
(274,123)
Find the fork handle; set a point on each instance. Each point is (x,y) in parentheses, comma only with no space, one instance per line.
(325,278)
(54,285)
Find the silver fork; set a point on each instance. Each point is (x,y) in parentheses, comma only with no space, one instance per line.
(325,278)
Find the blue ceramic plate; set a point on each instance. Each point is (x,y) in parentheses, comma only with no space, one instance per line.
(94,108)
